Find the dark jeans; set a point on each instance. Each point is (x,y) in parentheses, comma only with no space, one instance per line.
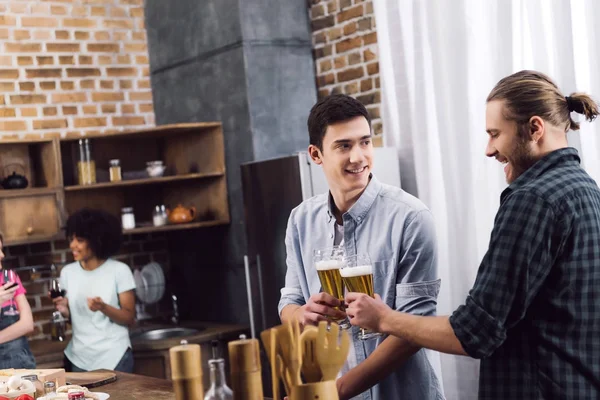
(125,365)
(16,353)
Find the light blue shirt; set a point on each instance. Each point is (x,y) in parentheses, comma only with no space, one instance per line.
(98,342)
(398,233)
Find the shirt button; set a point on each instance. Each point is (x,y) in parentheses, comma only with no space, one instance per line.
(359,219)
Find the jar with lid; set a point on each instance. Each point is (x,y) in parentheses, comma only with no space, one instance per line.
(115,170)
(49,389)
(127,218)
(86,167)
(159,215)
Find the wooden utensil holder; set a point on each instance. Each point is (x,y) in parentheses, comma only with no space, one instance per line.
(326,390)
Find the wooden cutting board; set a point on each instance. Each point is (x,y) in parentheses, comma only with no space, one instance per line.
(91,379)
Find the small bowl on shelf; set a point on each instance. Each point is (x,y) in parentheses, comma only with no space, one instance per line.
(155,169)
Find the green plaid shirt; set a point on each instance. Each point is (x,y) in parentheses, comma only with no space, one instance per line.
(533,315)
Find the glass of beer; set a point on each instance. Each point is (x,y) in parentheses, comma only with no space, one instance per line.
(357,274)
(328,262)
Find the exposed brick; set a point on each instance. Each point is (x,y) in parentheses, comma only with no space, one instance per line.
(43,73)
(43,35)
(340,62)
(124,59)
(62,35)
(67,85)
(108,96)
(82,35)
(322,23)
(23,47)
(60,244)
(85,60)
(120,121)
(135,47)
(7,112)
(335,33)
(73,97)
(79,23)
(365,24)
(28,112)
(9,73)
(137,12)
(370,38)
(143,84)
(377,128)
(348,44)
(145,108)
(21,35)
(350,13)
(326,79)
(108,108)
(371,98)
(125,84)
(87,84)
(63,47)
(366,85)
(82,72)
(325,65)
(45,60)
(36,22)
(79,11)
(50,124)
(7,86)
(9,125)
(140,96)
(350,74)
(377,140)
(66,60)
(374,112)
(351,88)
(121,71)
(27,86)
(27,99)
(40,8)
(369,8)
(118,24)
(103,47)
(141,59)
(102,35)
(19,8)
(98,11)
(317,11)
(345,4)
(90,109)
(8,20)
(69,110)
(127,109)
(107,84)
(350,28)
(88,122)
(105,60)
(4,33)
(58,10)
(354,58)
(139,36)
(118,12)
(50,111)
(373,68)
(43,315)
(323,93)
(323,51)
(369,55)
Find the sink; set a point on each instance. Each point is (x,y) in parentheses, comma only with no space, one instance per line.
(164,333)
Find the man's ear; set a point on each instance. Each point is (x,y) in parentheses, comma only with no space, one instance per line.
(537,128)
(315,154)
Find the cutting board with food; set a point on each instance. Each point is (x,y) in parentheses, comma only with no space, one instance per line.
(91,379)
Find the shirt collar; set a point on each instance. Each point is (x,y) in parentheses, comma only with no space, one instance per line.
(359,210)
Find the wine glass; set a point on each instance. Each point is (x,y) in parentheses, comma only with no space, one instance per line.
(10,276)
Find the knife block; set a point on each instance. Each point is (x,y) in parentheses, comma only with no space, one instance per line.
(317,390)
(186,372)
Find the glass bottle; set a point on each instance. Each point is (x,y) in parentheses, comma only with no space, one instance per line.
(49,389)
(159,215)
(86,167)
(115,170)
(127,218)
(218,387)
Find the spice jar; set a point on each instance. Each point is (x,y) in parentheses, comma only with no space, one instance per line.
(86,167)
(127,218)
(159,215)
(115,170)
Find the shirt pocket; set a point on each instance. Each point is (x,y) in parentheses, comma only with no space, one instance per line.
(419,298)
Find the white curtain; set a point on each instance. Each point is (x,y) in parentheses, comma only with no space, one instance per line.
(439,59)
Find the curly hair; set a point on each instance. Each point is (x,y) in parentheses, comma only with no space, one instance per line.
(101,230)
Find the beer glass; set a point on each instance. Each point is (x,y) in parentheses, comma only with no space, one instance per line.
(328,262)
(357,274)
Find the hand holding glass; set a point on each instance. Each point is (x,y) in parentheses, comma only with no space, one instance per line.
(328,262)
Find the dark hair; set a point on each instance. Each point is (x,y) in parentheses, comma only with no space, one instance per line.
(331,110)
(531,93)
(101,229)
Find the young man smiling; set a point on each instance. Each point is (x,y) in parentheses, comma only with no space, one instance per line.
(533,315)
(364,216)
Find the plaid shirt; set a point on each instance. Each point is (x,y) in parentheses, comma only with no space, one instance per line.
(533,315)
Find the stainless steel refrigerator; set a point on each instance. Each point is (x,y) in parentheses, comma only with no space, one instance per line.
(271,189)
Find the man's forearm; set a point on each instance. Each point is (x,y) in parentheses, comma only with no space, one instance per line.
(289,312)
(388,356)
(434,333)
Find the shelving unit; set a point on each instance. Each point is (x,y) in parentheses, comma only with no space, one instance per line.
(193,153)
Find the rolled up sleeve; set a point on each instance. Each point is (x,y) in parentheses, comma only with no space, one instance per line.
(525,238)
(291,293)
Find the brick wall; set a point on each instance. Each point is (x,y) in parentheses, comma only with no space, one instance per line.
(345,52)
(70,67)
(73,66)
(33,263)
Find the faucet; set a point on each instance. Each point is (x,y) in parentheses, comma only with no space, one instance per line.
(175,318)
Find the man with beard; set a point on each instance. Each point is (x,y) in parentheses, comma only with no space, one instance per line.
(533,315)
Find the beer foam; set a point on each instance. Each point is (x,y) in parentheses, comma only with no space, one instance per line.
(356,271)
(328,265)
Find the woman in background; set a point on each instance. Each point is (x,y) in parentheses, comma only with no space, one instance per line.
(100,299)
(14,347)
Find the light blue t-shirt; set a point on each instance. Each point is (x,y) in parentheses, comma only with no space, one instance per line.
(97,341)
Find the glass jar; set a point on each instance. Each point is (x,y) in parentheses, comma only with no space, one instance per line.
(127,218)
(218,387)
(159,215)
(115,170)
(86,167)
(49,389)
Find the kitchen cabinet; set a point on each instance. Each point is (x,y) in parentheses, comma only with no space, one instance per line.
(194,177)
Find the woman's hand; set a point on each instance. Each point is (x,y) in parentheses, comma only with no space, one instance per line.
(7,294)
(96,304)
(62,305)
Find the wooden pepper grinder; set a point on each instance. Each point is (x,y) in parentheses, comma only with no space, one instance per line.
(186,371)
(245,368)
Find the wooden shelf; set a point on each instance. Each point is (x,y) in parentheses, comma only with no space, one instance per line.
(32,239)
(145,181)
(175,227)
(28,192)
(161,130)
